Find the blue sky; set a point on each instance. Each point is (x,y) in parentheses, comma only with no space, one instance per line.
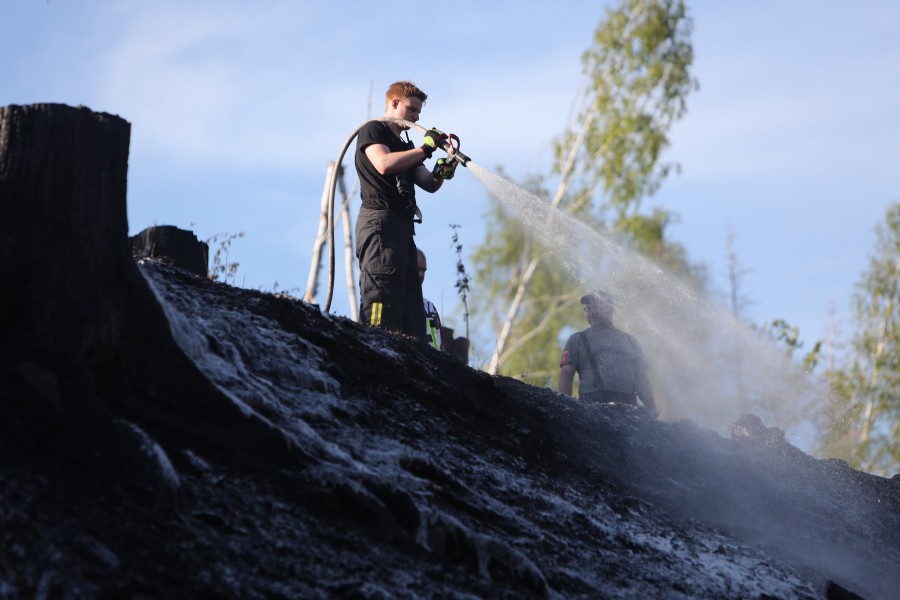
(236,109)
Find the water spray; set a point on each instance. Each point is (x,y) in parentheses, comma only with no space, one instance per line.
(446,144)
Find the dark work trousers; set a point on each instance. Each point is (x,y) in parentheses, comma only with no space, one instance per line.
(390,293)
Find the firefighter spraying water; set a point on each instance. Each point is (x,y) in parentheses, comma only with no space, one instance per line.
(389,169)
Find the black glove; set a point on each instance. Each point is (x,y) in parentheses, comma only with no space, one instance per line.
(444,168)
(433,139)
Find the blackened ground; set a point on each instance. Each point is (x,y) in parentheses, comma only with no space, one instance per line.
(418,477)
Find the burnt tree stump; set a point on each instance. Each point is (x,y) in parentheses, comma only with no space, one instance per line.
(177,247)
(84,344)
(458,348)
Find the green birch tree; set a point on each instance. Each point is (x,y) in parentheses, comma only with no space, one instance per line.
(865,418)
(638,70)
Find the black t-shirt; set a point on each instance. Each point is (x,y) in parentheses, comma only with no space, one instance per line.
(381,191)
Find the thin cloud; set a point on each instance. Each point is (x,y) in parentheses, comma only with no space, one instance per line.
(269,89)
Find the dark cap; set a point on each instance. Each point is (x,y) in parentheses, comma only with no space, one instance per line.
(598,297)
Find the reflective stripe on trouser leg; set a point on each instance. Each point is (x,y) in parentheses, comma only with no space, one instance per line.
(433,334)
(375,319)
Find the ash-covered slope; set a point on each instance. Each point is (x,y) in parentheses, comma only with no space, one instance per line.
(418,477)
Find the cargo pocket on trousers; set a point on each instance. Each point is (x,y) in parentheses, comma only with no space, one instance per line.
(378,283)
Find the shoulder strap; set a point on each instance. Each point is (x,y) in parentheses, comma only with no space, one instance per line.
(590,356)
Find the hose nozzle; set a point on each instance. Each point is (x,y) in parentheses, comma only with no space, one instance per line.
(460,158)
(453,151)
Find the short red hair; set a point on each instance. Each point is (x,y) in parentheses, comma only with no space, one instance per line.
(403,90)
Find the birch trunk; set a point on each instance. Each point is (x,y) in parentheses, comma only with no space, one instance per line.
(315,263)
